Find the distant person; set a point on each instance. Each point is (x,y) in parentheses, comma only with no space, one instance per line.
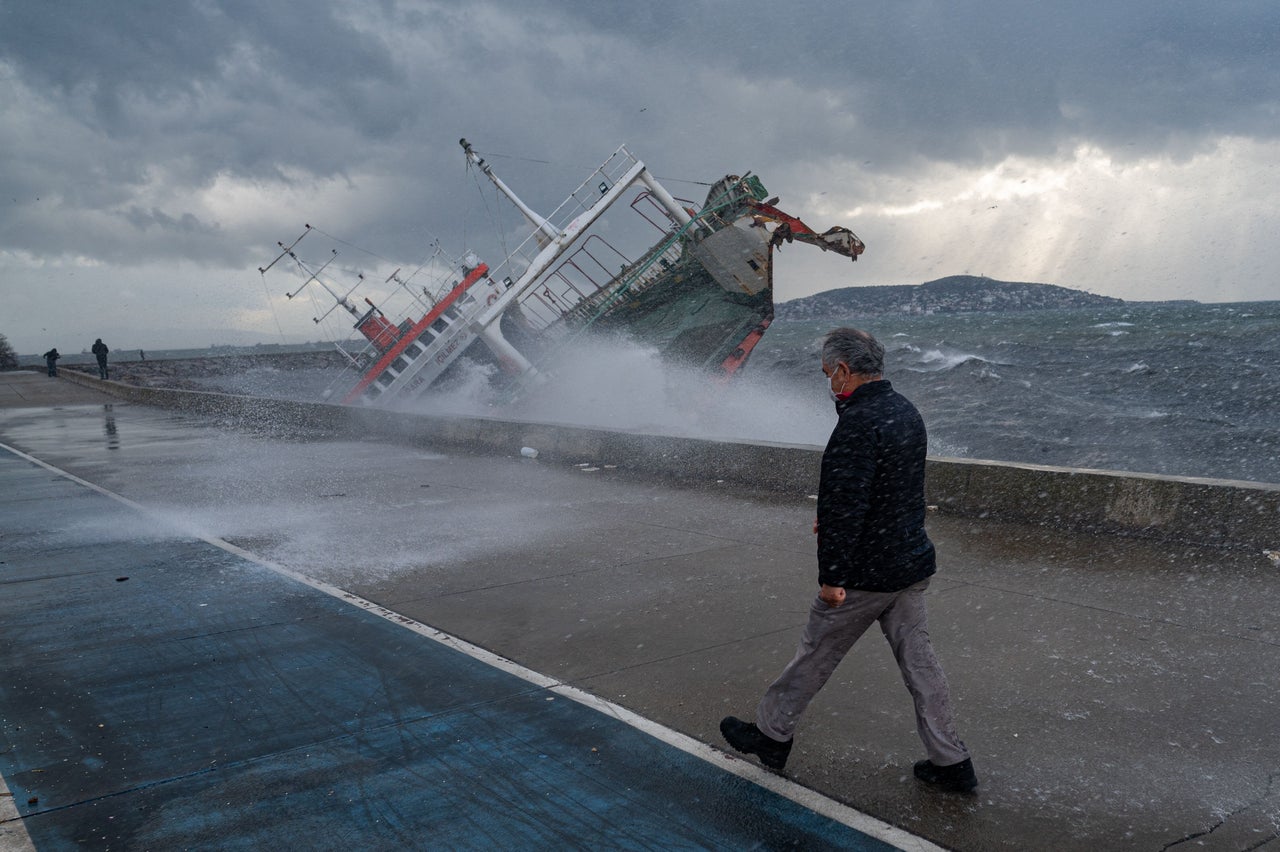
(51,359)
(874,564)
(100,351)
(142,355)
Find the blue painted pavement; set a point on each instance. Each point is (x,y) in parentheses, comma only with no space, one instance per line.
(160,692)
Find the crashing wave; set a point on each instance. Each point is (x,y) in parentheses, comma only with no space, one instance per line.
(936,361)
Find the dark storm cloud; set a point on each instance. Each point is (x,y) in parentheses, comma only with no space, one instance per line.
(142,67)
(978,79)
(124,101)
(131,109)
(158,46)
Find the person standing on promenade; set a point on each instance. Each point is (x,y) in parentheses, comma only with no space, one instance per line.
(100,351)
(51,361)
(874,564)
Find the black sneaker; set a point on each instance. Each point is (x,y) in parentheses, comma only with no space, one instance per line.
(956,778)
(748,739)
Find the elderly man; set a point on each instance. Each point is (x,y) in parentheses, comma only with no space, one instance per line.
(874,564)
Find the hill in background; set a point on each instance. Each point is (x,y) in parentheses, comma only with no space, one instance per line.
(951,295)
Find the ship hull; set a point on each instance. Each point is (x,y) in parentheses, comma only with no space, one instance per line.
(690,319)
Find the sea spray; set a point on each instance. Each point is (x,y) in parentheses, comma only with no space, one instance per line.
(617,384)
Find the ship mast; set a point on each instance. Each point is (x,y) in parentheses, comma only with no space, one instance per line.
(677,213)
(534,219)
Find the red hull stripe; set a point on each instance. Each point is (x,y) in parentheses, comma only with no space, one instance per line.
(731,364)
(396,351)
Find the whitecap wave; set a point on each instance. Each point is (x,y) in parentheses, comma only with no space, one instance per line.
(935,360)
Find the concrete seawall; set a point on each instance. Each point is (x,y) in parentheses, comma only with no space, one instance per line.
(1179,509)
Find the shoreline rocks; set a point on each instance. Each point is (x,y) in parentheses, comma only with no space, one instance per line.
(200,373)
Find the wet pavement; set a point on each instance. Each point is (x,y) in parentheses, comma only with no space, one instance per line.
(1116,694)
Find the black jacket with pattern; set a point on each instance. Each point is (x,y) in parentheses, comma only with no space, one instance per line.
(871,496)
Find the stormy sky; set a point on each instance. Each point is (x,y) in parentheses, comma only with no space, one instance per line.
(154,151)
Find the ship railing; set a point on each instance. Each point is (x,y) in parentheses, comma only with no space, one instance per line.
(590,190)
(585,281)
(654,263)
(639,276)
(579,277)
(582,199)
(578,202)
(649,268)
(587,270)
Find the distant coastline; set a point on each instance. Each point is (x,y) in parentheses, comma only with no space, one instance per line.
(955,294)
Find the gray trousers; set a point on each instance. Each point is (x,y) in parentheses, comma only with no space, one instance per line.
(830,634)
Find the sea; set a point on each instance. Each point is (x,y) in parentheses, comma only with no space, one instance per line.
(1181,389)
(1177,389)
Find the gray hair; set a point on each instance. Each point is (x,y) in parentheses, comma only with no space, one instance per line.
(857,349)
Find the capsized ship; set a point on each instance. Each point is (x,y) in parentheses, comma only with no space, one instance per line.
(700,293)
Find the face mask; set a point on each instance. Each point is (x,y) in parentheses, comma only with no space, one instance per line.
(837,398)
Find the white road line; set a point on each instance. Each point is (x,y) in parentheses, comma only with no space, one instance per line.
(13,833)
(811,799)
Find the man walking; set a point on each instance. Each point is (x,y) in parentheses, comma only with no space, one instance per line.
(100,351)
(874,564)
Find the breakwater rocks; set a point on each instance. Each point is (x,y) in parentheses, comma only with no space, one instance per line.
(235,372)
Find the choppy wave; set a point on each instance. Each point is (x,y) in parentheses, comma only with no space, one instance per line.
(1179,389)
(1185,390)
(935,360)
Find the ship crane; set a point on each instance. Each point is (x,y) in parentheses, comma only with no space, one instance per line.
(839,240)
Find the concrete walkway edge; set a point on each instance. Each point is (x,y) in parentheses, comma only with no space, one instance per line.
(1166,508)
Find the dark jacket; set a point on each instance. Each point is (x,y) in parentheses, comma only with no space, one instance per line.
(871,496)
(100,349)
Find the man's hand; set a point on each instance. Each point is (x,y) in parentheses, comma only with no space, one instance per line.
(832,596)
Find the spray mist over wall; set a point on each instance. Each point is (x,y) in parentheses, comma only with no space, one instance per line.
(617,384)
